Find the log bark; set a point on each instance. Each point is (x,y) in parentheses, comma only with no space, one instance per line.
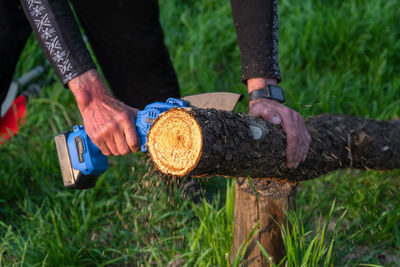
(207,142)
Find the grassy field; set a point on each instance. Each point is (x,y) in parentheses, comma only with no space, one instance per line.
(336,57)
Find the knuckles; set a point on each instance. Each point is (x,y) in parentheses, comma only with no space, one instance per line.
(125,116)
(99,135)
(111,127)
(95,136)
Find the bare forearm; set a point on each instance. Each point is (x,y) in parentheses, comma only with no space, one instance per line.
(87,87)
(257,83)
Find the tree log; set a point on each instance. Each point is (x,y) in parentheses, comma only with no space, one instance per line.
(208,142)
(196,142)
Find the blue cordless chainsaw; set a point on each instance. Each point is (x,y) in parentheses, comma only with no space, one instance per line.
(81,161)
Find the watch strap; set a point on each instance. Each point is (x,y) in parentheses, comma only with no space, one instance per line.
(269,92)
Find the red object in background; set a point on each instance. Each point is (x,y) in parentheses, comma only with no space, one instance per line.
(9,124)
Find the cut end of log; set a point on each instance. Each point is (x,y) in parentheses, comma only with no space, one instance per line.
(175,142)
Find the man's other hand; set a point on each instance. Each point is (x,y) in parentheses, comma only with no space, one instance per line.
(108,122)
(297,137)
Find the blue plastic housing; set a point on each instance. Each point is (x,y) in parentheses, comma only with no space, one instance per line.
(89,160)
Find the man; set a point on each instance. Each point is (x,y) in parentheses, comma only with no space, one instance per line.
(127,39)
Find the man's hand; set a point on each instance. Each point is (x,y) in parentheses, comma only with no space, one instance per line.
(297,137)
(108,122)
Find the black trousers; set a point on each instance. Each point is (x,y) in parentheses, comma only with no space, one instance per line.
(126,37)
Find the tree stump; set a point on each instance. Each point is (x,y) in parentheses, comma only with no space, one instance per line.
(208,142)
(267,206)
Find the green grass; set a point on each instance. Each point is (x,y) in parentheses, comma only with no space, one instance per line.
(335,56)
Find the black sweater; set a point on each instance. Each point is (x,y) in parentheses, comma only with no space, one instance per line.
(256,23)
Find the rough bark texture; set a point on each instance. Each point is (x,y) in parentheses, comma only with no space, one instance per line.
(270,211)
(238,145)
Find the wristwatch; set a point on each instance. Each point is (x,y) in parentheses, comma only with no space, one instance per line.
(270,92)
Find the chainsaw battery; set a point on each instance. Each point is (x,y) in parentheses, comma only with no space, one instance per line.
(81,161)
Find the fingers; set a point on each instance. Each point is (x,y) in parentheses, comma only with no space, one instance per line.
(103,137)
(112,142)
(289,125)
(116,137)
(104,148)
(132,138)
(266,111)
(306,138)
(297,137)
(121,143)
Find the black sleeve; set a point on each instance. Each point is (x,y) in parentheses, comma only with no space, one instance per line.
(256,23)
(58,34)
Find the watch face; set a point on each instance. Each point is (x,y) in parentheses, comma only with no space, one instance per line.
(276,93)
